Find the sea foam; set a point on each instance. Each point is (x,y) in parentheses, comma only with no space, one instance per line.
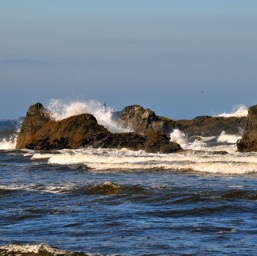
(199,161)
(104,115)
(179,137)
(228,138)
(8,144)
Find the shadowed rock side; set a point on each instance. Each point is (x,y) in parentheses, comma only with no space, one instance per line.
(139,120)
(248,142)
(212,126)
(40,132)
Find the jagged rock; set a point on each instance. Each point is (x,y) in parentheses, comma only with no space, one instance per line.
(211,126)
(40,132)
(139,120)
(248,142)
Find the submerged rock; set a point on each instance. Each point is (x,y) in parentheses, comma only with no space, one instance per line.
(40,132)
(248,142)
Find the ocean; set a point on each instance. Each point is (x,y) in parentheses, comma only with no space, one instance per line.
(122,202)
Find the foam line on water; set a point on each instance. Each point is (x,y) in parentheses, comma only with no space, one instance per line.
(103,159)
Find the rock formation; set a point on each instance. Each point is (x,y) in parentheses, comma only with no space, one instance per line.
(40,132)
(139,120)
(248,142)
(211,126)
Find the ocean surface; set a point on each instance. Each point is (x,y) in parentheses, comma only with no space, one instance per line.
(121,202)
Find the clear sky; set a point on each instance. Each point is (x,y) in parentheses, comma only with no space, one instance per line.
(181,58)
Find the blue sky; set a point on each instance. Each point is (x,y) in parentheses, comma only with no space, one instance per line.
(179,58)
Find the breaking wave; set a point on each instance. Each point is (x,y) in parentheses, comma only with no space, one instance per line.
(238,111)
(222,159)
(228,138)
(179,137)
(103,114)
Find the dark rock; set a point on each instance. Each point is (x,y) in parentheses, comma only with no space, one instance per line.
(139,120)
(248,142)
(211,126)
(40,132)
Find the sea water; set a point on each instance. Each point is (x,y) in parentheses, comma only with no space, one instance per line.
(122,202)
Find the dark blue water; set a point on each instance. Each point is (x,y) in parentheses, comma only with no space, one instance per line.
(136,213)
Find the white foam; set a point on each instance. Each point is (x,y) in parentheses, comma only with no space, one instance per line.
(35,249)
(177,136)
(8,144)
(200,161)
(104,115)
(238,111)
(228,138)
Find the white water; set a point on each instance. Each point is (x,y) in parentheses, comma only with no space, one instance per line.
(228,138)
(8,144)
(238,111)
(177,136)
(104,115)
(200,161)
(34,249)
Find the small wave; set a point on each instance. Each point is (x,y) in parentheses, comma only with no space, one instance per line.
(104,115)
(37,249)
(238,111)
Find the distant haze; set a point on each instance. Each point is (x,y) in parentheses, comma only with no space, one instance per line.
(179,58)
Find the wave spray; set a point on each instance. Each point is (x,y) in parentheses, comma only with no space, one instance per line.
(104,115)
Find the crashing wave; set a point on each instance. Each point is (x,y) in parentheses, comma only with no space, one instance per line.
(8,143)
(198,144)
(104,115)
(238,111)
(228,138)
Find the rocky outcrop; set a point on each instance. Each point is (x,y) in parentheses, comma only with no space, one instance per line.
(212,126)
(139,120)
(248,142)
(40,132)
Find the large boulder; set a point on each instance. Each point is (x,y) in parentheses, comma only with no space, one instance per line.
(140,120)
(40,132)
(248,142)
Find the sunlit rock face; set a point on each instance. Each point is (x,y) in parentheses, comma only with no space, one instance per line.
(40,132)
